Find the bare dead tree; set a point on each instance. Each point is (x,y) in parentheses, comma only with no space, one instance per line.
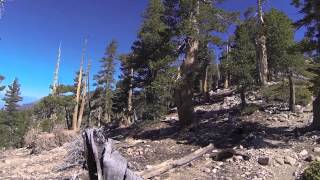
(56,72)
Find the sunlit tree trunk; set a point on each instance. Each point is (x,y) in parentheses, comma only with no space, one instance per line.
(292,101)
(205,91)
(184,91)
(130,93)
(84,97)
(262,59)
(56,73)
(77,100)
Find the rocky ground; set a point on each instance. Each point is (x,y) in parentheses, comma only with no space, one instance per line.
(268,144)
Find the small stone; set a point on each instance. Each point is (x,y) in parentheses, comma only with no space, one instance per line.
(207,170)
(264,161)
(310,158)
(214,170)
(237,158)
(316,149)
(279,161)
(220,163)
(303,153)
(317,158)
(289,160)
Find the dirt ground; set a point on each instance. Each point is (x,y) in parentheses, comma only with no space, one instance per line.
(270,133)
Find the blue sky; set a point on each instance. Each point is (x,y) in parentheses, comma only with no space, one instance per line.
(30,31)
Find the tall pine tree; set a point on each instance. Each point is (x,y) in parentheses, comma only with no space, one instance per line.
(311,20)
(193,20)
(105,79)
(12,97)
(153,52)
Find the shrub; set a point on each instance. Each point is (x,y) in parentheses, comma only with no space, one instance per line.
(312,172)
(250,109)
(280,92)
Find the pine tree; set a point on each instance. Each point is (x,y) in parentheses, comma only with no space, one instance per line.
(262,57)
(105,79)
(2,87)
(310,10)
(12,97)
(153,52)
(2,3)
(193,20)
(243,60)
(280,37)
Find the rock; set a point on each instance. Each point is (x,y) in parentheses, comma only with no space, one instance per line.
(264,161)
(303,153)
(207,170)
(289,160)
(317,158)
(279,161)
(237,158)
(316,149)
(214,170)
(310,158)
(220,163)
(284,116)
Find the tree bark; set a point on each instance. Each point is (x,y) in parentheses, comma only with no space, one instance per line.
(184,91)
(76,108)
(262,59)
(167,165)
(83,103)
(243,98)
(56,73)
(226,82)
(292,100)
(130,93)
(316,113)
(205,91)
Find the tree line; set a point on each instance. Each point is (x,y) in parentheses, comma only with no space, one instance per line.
(173,61)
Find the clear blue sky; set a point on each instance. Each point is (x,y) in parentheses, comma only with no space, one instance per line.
(30,32)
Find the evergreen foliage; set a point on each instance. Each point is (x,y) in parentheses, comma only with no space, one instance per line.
(12,97)
(105,79)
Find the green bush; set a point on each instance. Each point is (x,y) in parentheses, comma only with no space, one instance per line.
(280,92)
(312,172)
(13,127)
(250,109)
(46,125)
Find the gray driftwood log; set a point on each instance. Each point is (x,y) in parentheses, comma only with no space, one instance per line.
(104,162)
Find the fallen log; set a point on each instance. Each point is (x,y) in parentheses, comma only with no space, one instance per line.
(170,164)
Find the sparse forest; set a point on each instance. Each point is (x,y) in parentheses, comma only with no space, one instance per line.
(204,93)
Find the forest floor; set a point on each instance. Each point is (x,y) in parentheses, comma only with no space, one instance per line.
(268,145)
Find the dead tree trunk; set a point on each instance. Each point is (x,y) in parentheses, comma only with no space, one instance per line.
(292,100)
(83,102)
(104,162)
(130,93)
(56,73)
(262,59)
(77,100)
(205,91)
(89,94)
(243,98)
(184,91)
(316,113)
(167,165)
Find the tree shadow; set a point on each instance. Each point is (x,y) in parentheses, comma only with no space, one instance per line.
(223,128)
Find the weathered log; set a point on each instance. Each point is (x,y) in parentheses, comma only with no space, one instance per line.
(167,165)
(103,161)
